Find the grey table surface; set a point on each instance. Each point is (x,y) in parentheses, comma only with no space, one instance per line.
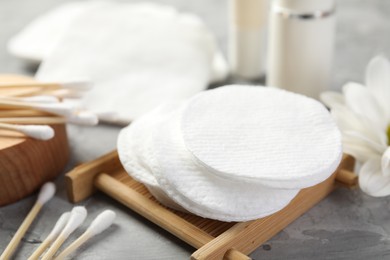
(345,225)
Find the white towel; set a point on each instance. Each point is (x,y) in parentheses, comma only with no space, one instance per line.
(139,55)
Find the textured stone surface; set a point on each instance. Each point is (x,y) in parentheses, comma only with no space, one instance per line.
(346,225)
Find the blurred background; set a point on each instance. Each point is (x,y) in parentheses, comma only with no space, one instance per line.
(362,30)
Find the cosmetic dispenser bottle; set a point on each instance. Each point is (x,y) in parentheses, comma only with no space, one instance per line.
(300,46)
(247,38)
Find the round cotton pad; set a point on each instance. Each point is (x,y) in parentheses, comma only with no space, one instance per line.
(202,193)
(132,150)
(134,140)
(130,144)
(263,135)
(36,41)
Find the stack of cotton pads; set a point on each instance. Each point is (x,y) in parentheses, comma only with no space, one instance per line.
(235,153)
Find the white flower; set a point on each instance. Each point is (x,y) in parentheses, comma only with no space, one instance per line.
(363,116)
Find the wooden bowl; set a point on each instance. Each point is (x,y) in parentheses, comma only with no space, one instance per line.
(26,163)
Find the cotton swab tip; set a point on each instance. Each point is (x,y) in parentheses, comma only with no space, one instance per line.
(59,226)
(65,109)
(102,222)
(46,193)
(84,118)
(40,132)
(77,217)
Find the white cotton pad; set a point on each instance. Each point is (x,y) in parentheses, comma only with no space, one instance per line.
(130,145)
(134,141)
(261,135)
(133,145)
(206,194)
(139,55)
(36,41)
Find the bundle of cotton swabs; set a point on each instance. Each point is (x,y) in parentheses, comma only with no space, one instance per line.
(30,108)
(65,226)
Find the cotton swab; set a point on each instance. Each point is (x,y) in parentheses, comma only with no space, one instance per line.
(80,118)
(39,132)
(77,217)
(34,120)
(75,84)
(41,99)
(83,118)
(46,193)
(64,93)
(58,227)
(63,109)
(32,99)
(87,121)
(101,223)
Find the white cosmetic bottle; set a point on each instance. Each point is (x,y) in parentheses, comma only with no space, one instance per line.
(301,40)
(247,37)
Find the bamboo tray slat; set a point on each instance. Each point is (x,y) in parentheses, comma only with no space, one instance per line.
(213,239)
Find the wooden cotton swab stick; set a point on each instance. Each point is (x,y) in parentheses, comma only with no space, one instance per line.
(24,92)
(75,84)
(56,92)
(58,227)
(101,223)
(24,113)
(77,217)
(39,132)
(33,120)
(33,99)
(46,193)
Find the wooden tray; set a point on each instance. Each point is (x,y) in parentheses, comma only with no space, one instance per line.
(212,239)
(25,163)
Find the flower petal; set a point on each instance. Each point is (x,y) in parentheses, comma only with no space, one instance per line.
(360,152)
(349,121)
(362,102)
(372,181)
(378,81)
(332,99)
(363,140)
(386,163)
